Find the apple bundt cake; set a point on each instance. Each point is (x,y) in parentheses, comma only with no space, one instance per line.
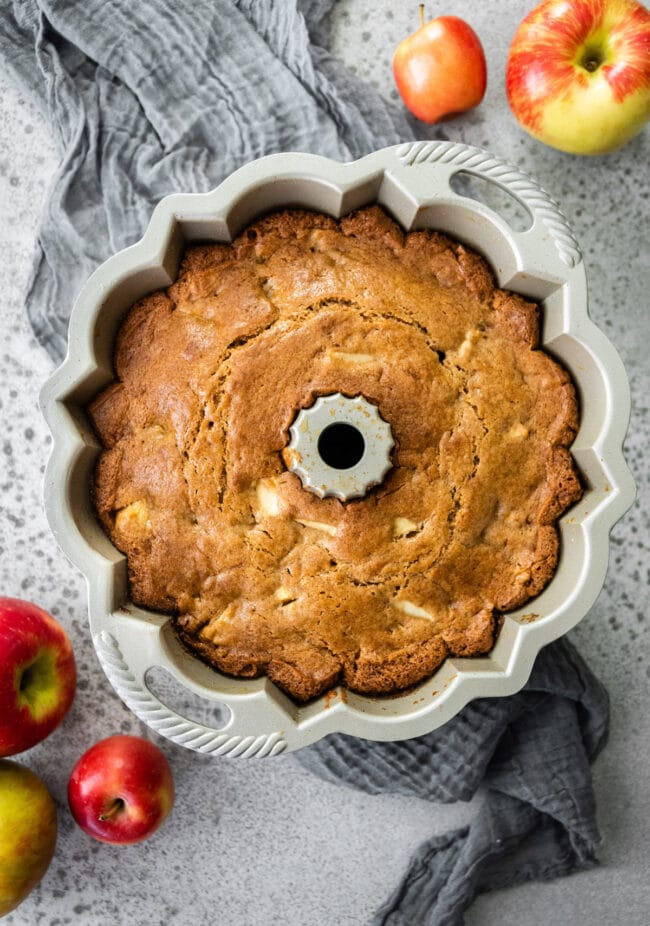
(259,574)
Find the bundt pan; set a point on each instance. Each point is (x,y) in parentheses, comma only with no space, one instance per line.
(417,183)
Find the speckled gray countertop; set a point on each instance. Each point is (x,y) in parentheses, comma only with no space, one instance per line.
(264,842)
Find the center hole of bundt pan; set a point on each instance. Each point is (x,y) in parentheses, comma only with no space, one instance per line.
(341,445)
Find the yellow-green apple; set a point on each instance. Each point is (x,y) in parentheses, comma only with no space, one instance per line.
(37,675)
(27,833)
(440,70)
(121,790)
(578,73)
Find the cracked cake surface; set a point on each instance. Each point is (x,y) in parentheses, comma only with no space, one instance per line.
(260,575)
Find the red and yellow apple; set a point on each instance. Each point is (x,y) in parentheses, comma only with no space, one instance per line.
(37,675)
(578,73)
(440,70)
(121,790)
(27,833)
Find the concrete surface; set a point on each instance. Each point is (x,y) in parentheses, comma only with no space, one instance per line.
(265,842)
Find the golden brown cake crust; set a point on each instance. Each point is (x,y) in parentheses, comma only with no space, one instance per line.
(263,577)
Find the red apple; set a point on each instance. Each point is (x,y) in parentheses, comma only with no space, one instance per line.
(37,675)
(440,70)
(121,790)
(578,73)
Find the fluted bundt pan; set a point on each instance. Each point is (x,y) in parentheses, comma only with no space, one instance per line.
(413,182)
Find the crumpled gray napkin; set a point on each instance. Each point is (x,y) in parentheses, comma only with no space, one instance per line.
(531,752)
(155,97)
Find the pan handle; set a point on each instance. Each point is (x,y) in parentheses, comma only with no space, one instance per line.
(429,167)
(129,681)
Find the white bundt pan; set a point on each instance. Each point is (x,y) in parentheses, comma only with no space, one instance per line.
(412,182)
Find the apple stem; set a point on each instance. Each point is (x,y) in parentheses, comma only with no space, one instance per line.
(25,679)
(113,810)
(422,14)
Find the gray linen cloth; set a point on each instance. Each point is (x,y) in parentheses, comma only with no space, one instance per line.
(154,97)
